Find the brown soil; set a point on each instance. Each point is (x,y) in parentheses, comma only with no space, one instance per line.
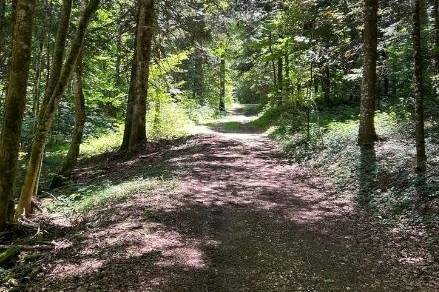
(240,219)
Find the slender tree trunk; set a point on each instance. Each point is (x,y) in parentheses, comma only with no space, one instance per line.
(2,48)
(287,73)
(436,34)
(48,112)
(222,103)
(367,134)
(15,105)
(118,62)
(8,52)
(78,130)
(280,81)
(326,85)
(199,35)
(2,31)
(37,82)
(273,63)
(60,47)
(386,87)
(130,103)
(199,72)
(421,157)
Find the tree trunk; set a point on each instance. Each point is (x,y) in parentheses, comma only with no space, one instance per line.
(436,34)
(130,103)
(386,85)
(287,74)
(37,82)
(326,85)
(2,48)
(54,76)
(367,134)
(135,131)
(2,31)
(15,105)
(222,103)
(118,61)
(60,47)
(199,35)
(421,157)
(78,130)
(280,81)
(199,72)
(47,113)
(7,55)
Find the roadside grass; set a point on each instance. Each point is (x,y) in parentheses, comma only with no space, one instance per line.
(96,155)
(383,180)
(79,199)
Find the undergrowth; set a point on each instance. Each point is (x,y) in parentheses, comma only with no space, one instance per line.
(382,180)
(78,200)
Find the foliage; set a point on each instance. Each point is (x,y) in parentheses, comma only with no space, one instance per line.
(393,188)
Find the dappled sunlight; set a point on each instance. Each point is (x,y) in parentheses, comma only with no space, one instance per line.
(64,270)
(230,171)
(236,211)
(120,234)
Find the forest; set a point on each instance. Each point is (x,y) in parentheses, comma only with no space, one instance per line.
(223,145)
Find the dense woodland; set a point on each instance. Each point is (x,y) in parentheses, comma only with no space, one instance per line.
(347,88)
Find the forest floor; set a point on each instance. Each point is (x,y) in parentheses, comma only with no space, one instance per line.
(223,210)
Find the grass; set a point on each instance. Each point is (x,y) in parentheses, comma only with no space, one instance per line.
(384,180)
(232,126)
(167,122)
(79,200)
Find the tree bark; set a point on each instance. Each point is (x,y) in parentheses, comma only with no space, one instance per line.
(2,30)
(222,103)
(436,34)
(135,124)
(54,75)
(78,130)
(118,61)
(130,103)
(287,74)
(199,72)
(59,52)
(37,81)
(47,113)
(280,81)
(2,48)
(7,54)
(421,158)
(199,34)
(367,134)
(326,85)
(15,105)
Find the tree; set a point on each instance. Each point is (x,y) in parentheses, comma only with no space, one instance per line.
(222,103)
(47,113)
(2,28)
(280,82)
(367,134)
(421,157)
(15,105)
(80,116)
(436,34)
(135,125)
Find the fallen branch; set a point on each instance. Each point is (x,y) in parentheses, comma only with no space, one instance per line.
(10,253)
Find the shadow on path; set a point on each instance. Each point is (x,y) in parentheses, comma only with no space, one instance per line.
(239,219)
